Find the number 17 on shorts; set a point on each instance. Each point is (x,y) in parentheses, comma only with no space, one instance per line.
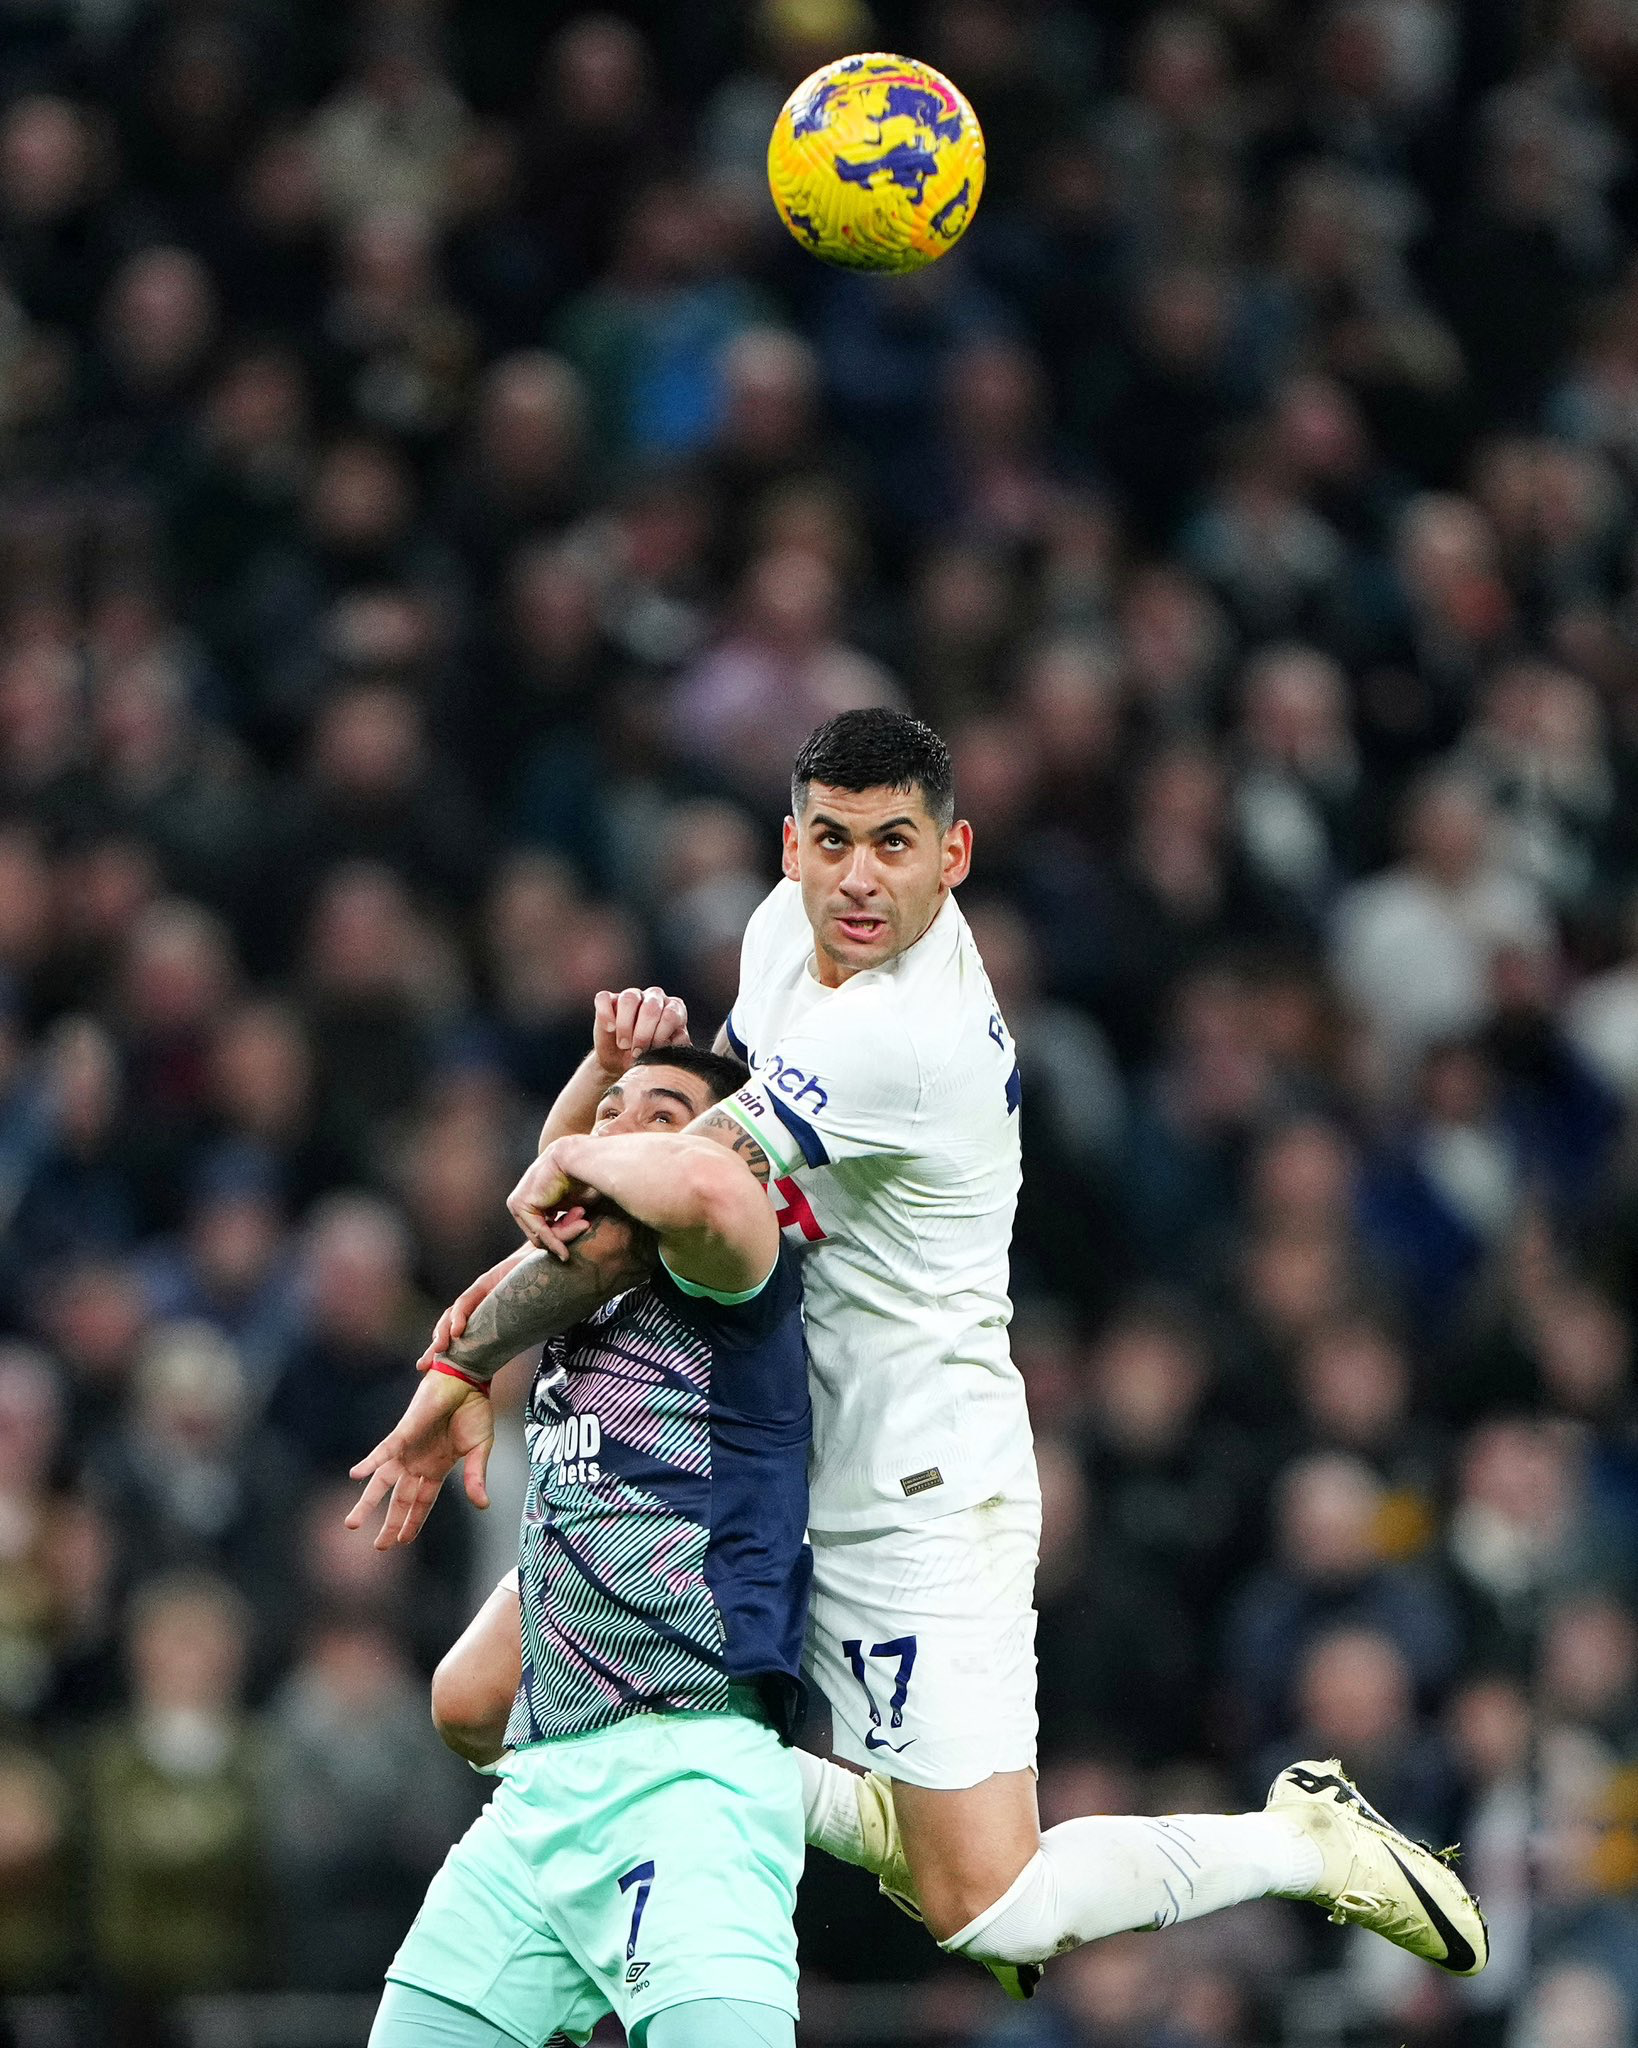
(900,1661)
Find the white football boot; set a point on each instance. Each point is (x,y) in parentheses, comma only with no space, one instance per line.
(1375,1877)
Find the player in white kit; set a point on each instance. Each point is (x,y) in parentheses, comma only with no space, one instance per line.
(887,1107)
(884,1115)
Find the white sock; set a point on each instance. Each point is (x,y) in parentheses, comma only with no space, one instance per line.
(830,1807)
(1112,1874)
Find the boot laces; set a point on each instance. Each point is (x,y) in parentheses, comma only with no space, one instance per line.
(1352,1906)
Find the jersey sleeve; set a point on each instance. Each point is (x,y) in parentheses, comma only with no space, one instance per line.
(843,1084)
(736,1322)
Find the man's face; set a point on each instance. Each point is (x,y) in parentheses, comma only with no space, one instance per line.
(651,1099)
(874,869)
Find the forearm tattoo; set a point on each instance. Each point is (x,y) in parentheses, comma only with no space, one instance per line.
(729,1131)
(543,1295)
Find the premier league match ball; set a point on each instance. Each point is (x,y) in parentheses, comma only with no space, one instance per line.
(876,163)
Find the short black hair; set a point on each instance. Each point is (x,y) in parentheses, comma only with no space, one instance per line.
(721,1072)
(877,749)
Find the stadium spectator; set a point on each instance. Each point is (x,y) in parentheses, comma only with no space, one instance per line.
(751,702)
(1415,946)
(340,1378)
(190,1477)
(1355,1696)
(389,135)
(1330,1572)
(38,1948)
(362,1801)
(176,1874)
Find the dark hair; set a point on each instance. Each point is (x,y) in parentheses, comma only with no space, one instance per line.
(721,1072)
(877,749)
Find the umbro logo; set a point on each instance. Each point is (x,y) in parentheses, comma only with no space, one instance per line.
(634,1971)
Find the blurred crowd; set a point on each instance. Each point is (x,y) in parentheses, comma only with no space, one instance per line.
(435,500)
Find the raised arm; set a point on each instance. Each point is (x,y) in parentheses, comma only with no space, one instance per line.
(710,1213)
(624,1024)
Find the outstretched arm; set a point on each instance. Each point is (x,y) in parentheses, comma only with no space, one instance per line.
(447,1423)
(449,1420)
(542,1295)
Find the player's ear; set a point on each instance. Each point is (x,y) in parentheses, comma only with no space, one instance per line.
(958,854)
(788,861)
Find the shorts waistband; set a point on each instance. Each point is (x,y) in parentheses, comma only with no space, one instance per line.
(744,1701)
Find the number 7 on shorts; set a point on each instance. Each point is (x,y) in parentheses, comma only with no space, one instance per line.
(642,1876)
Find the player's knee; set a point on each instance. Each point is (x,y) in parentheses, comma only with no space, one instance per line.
(949,1912)
(465,1713)
(952,1900)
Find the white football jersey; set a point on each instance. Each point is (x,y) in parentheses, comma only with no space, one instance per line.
(889,1110)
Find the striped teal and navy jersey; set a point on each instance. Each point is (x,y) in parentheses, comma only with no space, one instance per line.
(663,1555)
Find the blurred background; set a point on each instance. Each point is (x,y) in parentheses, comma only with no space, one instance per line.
(435,499)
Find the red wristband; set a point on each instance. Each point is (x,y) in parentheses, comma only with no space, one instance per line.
(455,1373)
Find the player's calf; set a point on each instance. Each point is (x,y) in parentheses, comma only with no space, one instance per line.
(965,1849)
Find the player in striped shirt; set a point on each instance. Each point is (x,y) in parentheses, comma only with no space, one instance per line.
(642,1851)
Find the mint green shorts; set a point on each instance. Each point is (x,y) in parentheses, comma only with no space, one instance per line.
(649,1864)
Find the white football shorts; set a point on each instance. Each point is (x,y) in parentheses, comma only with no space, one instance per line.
(922,1639)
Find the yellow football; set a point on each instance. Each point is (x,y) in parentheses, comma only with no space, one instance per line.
(876,163)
